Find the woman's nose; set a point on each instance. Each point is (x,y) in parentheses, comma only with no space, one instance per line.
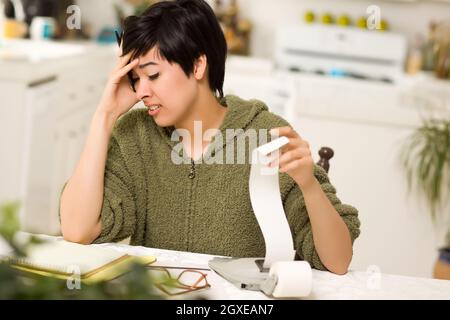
(143,90)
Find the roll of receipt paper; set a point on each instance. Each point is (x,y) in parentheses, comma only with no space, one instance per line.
(265,197)
(290,279)
(277,274)
(285,279)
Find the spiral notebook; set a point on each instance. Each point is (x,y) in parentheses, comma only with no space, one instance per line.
(62,259)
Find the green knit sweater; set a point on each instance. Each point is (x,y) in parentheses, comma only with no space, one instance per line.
(198,207)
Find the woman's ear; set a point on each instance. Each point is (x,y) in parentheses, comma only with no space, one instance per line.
(200,67)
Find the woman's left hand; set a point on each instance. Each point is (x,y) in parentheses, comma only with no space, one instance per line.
(295,157)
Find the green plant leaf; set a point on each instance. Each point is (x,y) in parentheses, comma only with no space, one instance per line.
(9,223)
(425,157)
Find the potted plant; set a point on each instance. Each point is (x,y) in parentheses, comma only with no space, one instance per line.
(426,160)
(16,285)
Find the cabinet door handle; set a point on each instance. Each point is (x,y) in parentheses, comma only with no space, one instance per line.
(42,82)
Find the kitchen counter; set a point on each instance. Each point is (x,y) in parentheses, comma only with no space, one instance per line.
(31,61)
(428,92)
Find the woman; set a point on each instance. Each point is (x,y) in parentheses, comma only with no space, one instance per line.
(128,184)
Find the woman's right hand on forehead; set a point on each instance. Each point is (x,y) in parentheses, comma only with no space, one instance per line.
(118,96)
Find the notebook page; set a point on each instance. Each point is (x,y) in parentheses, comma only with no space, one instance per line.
(60,255)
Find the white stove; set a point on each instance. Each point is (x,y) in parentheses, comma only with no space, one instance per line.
(341,52)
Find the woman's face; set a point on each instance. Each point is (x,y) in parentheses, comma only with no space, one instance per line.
(164,88)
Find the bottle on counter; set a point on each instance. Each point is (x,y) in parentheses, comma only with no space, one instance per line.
(442,65)
(42,28)
(414,61)
(448,69)
(12,19)
(430,49)
(442,70)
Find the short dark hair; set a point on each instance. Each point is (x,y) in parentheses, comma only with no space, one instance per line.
(182,31)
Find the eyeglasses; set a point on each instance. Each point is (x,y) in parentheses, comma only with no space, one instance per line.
(188,280)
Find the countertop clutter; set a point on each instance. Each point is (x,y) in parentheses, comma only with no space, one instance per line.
(435,50)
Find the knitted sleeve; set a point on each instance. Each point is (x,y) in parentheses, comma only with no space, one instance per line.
(118,215)
(300,225)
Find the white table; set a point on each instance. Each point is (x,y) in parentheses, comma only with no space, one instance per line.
(326,285)
(354,285)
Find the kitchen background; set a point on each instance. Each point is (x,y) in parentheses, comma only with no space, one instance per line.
(361,92)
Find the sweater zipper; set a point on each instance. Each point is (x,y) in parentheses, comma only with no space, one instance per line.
(192,171)
(191,176)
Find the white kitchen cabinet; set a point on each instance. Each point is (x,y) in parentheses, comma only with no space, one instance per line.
(45,114)
(38,154)
(397,235)
(69,137)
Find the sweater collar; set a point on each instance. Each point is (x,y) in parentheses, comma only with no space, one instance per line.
(239,115)
(240,112)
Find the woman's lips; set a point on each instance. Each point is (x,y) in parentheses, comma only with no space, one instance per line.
(153,110)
